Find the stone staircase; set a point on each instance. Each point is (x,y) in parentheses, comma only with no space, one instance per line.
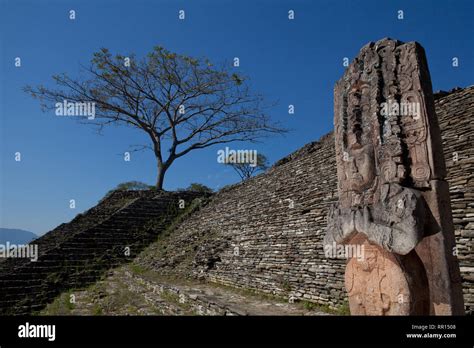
(77,254)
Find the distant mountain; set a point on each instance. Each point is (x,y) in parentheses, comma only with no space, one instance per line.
(16,236)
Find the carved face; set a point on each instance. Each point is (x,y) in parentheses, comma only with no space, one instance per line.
(359,168)
(370,261)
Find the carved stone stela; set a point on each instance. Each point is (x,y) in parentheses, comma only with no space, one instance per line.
(393,199)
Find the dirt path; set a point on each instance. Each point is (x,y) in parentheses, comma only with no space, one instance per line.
(129,292)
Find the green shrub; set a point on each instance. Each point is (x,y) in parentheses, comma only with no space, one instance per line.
(196,187)
(129,186)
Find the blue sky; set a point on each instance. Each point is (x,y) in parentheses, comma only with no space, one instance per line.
(294,62)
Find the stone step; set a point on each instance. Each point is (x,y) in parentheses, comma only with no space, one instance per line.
(81,251)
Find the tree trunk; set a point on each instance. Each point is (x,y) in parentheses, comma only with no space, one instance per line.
(161,176)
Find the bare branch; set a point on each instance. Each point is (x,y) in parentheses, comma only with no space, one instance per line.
(151,93)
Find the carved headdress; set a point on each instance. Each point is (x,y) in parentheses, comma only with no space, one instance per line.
(380,115)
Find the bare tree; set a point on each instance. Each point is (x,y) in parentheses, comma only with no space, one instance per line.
(181,103)
(247,169)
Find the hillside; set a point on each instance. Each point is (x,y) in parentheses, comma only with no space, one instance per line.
(16,236)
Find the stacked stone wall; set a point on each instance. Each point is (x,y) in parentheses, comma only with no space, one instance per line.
(267,232)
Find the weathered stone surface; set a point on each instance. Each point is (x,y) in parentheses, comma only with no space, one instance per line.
(391,186)
(277,220)
(385,283)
